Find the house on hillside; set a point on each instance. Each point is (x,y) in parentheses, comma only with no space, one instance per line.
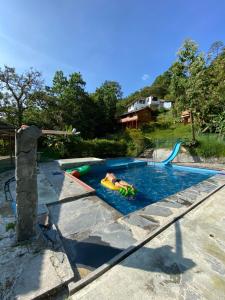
(150,101)
(136,118)
(142,111)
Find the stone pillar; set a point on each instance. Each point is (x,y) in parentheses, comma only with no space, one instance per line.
(26,181)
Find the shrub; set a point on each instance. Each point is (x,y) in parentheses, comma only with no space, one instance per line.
(71,146)
(137,142)
(4,147)
(209,146)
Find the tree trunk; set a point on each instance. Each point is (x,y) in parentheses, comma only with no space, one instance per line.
(192,126)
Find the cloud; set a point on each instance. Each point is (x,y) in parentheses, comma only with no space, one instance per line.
(145,77)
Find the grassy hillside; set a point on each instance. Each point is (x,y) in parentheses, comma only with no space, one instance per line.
(166,131)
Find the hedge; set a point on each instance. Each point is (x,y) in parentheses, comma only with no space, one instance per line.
(65,147)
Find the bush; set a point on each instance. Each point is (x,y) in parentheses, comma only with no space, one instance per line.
(71,146)
(209,146)
(4,147)
(137,142)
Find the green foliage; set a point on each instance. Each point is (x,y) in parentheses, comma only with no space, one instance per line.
(106,98)
(16,91)
(4,147)
(136,142)
(198,84)
(166,137)
(209,146)
(70,146)
(10,226)
(74,106)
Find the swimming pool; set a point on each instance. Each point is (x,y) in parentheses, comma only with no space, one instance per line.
(153,182)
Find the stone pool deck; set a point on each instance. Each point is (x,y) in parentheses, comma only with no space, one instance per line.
(87,236)
(185,261)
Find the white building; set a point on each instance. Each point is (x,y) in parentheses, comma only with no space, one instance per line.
(150,101)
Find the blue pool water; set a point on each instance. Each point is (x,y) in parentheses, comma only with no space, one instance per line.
(153,182)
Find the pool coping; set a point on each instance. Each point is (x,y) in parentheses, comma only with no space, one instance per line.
(82,183)
(166,222)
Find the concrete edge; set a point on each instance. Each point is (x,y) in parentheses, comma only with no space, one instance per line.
(67,165)
(76,286)
(80,182)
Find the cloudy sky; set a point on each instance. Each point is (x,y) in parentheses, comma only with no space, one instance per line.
(124,40)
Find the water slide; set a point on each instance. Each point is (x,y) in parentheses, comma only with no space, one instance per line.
(173,154)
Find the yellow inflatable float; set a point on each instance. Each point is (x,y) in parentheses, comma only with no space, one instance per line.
(122,190)
(109,185)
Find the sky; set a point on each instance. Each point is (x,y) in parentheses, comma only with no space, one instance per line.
(128,41)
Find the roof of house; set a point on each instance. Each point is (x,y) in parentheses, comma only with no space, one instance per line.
(134,111)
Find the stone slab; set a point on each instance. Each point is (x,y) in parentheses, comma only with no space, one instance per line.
(76,162)
(98,247)
(41,274)
(81,215)
(170,204)
(156,210)
(139,225)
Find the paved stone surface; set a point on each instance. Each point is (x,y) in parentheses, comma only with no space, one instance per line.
(64,187)
(186,261)
(46,193)
(29,270)
(170,204)
(90,234)
(76,162)
(156,210)
(115,234)
(140,225)
(98,247)
(81,215)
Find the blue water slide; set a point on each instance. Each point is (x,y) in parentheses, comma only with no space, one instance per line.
(173,154)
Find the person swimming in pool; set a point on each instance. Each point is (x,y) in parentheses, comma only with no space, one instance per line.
(118,182)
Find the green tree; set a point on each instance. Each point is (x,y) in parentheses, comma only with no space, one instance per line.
(16,93)
(160,86)
(106,97)
(73,104)
(184,80)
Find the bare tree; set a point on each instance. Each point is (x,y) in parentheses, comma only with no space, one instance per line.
(16,90)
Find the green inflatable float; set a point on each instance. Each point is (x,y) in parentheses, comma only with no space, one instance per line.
(79,171)
(127,191)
